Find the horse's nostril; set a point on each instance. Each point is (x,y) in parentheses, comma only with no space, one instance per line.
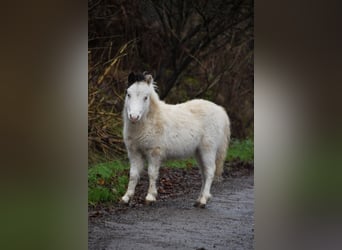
(133,118)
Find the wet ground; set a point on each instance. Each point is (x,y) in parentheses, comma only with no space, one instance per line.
(172,222)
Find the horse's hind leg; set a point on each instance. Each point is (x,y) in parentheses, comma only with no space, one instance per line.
(137,164)
(199,161)
(208,159)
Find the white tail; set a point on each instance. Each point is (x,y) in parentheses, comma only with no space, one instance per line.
(222,152)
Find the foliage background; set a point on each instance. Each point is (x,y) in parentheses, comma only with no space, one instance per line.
(194,49)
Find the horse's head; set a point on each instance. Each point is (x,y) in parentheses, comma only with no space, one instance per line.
(137,101)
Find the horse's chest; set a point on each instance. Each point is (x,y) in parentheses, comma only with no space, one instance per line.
(142,142)
(145,143)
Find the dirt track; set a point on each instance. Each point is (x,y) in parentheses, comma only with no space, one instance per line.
(173,223)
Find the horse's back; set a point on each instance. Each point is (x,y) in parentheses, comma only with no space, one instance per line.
(206,112)
(197,107)
(197,117)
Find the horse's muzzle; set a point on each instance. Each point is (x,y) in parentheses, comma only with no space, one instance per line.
(134,118)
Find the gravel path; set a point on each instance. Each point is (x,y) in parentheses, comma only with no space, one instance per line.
(173,223)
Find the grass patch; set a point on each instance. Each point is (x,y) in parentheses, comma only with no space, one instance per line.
(242,150)
(188,163)
(107,182)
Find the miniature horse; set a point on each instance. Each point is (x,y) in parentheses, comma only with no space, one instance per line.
(156,131)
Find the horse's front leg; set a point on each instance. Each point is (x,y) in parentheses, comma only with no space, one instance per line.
(137,164)
(153,172)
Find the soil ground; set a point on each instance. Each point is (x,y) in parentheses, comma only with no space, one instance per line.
(172,222)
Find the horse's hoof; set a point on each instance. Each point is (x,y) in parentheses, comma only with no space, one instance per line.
(198,204)
(149,203)
(201,205)
(124,201)
(121,202)
(150,199)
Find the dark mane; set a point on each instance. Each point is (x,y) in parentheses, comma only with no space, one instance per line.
(135,77)
(139,77)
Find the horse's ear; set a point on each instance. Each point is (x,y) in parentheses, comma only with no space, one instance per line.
(149,78)
(131,79)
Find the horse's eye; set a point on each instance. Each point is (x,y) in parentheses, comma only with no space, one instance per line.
(145,98)
(128,95)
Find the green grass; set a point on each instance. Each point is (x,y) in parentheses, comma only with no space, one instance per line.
(188,163)
(107,182)
(241,150)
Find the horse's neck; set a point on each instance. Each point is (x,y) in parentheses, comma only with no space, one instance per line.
(154,110)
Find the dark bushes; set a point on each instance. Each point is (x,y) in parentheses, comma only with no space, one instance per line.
(194,49)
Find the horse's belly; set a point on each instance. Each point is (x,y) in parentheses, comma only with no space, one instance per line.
(177,149)
(175,154)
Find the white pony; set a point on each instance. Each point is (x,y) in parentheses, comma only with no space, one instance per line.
(156,131)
